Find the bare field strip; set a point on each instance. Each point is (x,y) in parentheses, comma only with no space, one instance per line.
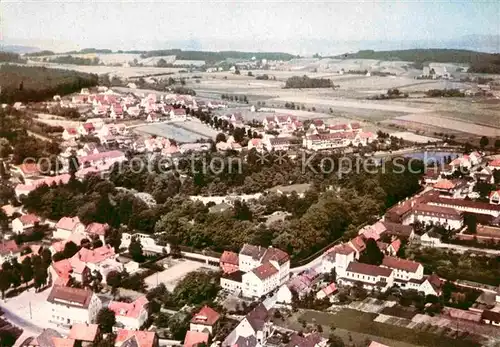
(451,124)
(351,104)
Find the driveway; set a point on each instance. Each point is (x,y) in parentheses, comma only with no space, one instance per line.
(30,311)
(171,276)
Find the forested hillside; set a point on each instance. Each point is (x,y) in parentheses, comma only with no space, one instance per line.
(32,83)
(10,57)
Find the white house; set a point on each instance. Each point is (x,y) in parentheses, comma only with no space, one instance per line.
(284,295)
(338,258)
(370,276)
(178,114)
(131,316)
(24,223)
(204,320)
(432,215)
(256,324)
(72,305)
(404,269)
(66,226)
(260,281)
(431,239)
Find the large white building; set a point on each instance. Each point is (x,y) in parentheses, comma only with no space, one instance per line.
(370,276)
(260,271)
(73,305)
(338,258)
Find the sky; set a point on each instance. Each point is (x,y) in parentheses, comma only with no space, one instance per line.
(251,25)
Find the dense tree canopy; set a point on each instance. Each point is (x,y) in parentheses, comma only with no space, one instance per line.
(40,83)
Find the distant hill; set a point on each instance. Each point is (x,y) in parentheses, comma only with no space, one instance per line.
(209,56)
(478,62)
(18,49)
(421,55)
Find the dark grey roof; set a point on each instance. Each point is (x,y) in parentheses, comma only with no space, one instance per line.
(258,317)
(45,339)
(249,341)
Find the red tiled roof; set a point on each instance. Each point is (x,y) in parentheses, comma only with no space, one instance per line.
(425,209)
(396,245)
(444,184)
(96,255)
(229,258)
(71,131)
(265,271)
(494,163)
(97,229)
(338,127)
(8,246)
(466,203)
(355,126)
(67,223)
(206,316)
(358,244)
(29,168)
(131,310)
(29,219)
(368,269)
(70,296)
(84,332)
(275,254)
(400,264)
(63,342)
(144,338)
(179,111)
(344,249)
(193,338)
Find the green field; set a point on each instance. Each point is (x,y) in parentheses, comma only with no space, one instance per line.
(357,322)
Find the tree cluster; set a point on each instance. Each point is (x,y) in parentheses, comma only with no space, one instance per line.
(33,83)
(444,93)
(307,82)
(32,267)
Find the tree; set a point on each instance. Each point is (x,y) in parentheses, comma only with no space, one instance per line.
(484,142)
(135,250)
(106,320)
(40,276)
(26,270)
(335,341)
(470,220)
(70,249)
(497,144)
(372,254)
(8,337)
(221,137)
(114,280)
(4,282)
(73,164)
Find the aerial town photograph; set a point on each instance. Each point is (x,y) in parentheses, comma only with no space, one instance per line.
(249,173)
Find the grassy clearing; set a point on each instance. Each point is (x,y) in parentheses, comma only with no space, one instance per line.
(362,322)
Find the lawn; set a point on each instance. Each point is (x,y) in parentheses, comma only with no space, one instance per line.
(361,322)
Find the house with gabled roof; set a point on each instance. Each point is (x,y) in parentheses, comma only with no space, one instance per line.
(132,315)
(204,320)
(256,327)
(136,338)
(84,334)
(25,223)
(229,262)
(370,276)
(66,226)
(338,258)
(73,305)
(404,269)
(195,338)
